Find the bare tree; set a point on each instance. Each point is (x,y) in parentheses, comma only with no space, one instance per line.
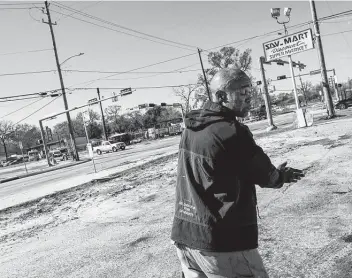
(6,133)
(185,93)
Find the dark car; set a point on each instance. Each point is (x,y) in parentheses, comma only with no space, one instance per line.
(343,104)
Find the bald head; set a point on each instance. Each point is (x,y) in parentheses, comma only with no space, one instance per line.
(229,79)
(231,88)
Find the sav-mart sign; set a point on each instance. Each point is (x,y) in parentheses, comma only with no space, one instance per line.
(288,45)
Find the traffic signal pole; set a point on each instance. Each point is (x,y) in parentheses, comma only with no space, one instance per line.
(46,151)
(292,74)
(102,116)
(266,97)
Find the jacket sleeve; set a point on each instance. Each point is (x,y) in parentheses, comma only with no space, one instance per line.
(256,165)
(260,170)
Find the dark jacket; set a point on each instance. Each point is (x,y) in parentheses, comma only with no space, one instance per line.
(218,167)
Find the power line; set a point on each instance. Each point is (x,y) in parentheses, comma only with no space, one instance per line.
(29,51)
(7,100)
(28,72)
(158,63)
(123,27)
(43,93)
(137,88)
(36,111)
(20,4)
(98,2)
(8,114)
(108,28)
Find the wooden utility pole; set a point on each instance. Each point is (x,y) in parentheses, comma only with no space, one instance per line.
(102,116)
(266,97)
(70,128)
(324,75)
(205,77)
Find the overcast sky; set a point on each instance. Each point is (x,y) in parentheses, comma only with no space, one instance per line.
(191,24)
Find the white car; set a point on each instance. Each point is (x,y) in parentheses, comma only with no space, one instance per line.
(108,146)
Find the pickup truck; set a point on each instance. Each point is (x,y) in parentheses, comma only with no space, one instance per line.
(108,146)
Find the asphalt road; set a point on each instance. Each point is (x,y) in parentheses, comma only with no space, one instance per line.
(132,154)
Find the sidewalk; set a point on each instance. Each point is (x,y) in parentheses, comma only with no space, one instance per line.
(121,227)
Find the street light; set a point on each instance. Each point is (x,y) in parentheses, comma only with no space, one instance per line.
(275,13)
(80,54)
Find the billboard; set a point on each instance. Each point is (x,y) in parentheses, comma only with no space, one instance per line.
(288,45)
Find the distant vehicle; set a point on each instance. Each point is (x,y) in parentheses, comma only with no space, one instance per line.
(33,155)
(108,146)
(175,129)
(135,141)
(55,153)
(121,137)
(343,104)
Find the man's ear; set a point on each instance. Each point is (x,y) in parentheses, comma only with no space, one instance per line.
(221,97)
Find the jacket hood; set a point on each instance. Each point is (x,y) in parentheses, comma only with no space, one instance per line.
(211,113)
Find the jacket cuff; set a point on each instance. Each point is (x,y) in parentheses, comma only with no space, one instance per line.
(275,179)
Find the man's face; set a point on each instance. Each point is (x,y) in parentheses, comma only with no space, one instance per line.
(239,100)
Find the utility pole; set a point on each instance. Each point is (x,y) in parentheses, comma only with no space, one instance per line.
(70,128)
(266,96)
(327,95)
(102,116)
(205,77)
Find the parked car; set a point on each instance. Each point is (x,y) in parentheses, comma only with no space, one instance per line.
(108,146)
(343,104)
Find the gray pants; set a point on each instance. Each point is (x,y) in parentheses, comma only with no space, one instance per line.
(203,264)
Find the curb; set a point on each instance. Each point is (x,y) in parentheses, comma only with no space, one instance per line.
(42,172)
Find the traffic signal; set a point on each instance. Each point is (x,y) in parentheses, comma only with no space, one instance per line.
(152,105)
(280,63)
(163,104)
(281,77)
(259,83)
(49,133)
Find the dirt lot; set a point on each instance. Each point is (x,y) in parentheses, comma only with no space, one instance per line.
(121,227)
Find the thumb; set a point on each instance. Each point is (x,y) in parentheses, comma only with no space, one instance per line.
(283,165)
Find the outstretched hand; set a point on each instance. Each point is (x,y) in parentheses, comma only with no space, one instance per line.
(290,174)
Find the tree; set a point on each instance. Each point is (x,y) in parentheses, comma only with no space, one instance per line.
(94,128)
(305,89)
(61,129)
(6,134)
(27,134)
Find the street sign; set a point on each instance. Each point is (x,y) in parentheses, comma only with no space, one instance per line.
(21,145)
(315,72)
(92,100)
(126,91)
(288,45)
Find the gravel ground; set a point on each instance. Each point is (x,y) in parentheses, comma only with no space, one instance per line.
(121,227)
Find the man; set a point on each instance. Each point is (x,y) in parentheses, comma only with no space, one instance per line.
(215,227)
